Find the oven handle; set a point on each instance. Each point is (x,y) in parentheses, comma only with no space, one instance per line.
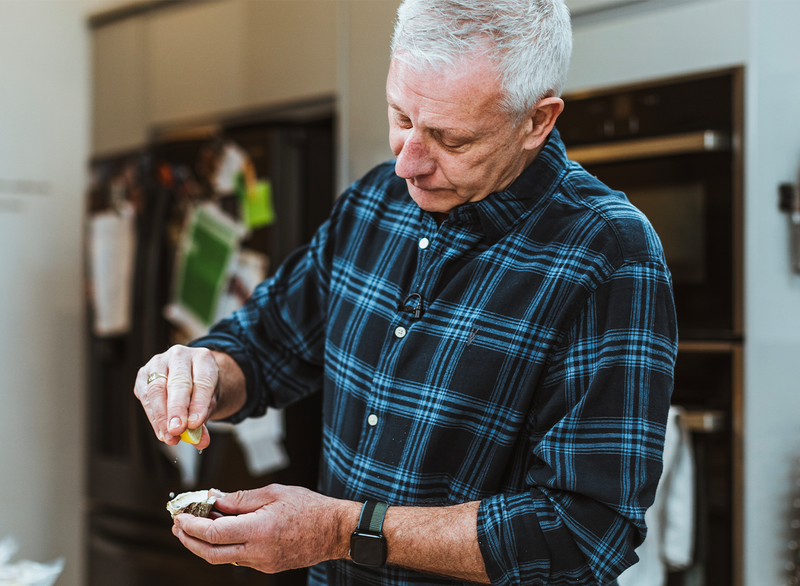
(642,148)
(703,421)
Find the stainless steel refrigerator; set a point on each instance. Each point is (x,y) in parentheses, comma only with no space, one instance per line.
(129,539)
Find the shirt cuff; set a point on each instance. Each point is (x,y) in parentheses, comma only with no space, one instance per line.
(510,537)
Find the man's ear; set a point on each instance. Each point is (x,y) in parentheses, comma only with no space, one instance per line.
(541,122)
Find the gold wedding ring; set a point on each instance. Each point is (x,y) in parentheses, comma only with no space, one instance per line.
(235,564)
(154,375)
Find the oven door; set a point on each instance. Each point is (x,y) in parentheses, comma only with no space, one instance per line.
(684,185)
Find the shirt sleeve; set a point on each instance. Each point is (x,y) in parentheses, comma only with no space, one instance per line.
(278,337)
(597,436)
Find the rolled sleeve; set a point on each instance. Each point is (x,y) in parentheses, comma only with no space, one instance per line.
(597,442)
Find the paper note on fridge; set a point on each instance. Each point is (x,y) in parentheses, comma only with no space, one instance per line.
(208,249)
(231,162)
(257,207)
(112,252)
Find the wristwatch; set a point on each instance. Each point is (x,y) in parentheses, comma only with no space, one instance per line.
(367,543)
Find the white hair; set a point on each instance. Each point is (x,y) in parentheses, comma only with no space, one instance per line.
(530,42)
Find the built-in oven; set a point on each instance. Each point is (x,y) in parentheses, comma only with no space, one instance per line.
(673,147)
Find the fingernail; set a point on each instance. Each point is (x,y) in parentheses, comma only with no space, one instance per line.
(216,493)
(175,422)
(194,417)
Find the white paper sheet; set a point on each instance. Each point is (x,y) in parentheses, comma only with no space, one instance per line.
(232,162)
(112,254)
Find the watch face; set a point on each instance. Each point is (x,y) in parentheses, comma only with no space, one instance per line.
(368,549)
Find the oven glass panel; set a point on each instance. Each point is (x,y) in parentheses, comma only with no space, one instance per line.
(689,200)
(677,213)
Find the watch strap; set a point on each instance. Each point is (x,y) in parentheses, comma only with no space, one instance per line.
(371,519)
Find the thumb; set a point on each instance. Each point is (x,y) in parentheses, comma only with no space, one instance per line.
(241,501)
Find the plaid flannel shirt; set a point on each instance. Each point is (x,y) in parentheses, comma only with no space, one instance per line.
(520,354)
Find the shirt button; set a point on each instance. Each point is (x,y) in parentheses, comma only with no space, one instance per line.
(372,420)
(400,331)
(423,244)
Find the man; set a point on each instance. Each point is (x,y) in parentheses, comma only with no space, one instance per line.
(492,329)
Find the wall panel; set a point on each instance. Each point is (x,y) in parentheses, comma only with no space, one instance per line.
(290,51)
(118,88)
(195,60)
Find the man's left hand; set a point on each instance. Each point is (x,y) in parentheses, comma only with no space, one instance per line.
(271,529)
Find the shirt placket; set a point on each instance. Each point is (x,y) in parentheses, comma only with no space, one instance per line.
(398,332)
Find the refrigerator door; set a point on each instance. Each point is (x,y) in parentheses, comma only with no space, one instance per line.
(130,477)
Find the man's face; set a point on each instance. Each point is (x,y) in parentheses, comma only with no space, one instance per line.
(452,141)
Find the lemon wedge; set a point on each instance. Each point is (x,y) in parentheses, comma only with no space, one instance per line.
(192,436)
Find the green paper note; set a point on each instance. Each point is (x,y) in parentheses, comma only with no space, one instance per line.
(257,205)
(207,251)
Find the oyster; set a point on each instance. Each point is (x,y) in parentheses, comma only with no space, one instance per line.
(197,503)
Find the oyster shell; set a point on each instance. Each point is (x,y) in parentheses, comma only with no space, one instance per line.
(198,503)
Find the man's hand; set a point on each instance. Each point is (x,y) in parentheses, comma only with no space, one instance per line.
(199,383)
(271,529)
(278,528)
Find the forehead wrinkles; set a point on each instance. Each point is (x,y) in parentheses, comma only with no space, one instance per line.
(467,90)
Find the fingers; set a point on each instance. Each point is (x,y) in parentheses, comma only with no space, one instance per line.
(184,397)
(179,391)
(221,531)
(290,527)
(246,501)
(205,385)
(153,396)
(203,538)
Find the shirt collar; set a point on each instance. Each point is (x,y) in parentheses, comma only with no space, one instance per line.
(499,211)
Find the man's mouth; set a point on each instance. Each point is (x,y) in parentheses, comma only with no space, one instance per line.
(426,189)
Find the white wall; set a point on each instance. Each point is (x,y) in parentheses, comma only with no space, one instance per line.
(675,40)
(772,399)
(44,124)
(366,39)
(45,127)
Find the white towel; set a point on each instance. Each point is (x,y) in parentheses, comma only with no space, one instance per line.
(186,458)
(112,251)
(261,440)
(670,521)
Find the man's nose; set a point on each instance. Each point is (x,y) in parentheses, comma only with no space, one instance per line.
(414,158)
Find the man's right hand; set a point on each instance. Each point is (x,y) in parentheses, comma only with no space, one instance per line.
(191,392)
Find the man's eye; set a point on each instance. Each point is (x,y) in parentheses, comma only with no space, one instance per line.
(451,143)
(403,122)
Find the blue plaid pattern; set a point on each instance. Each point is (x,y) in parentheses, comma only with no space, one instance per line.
(533,370)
